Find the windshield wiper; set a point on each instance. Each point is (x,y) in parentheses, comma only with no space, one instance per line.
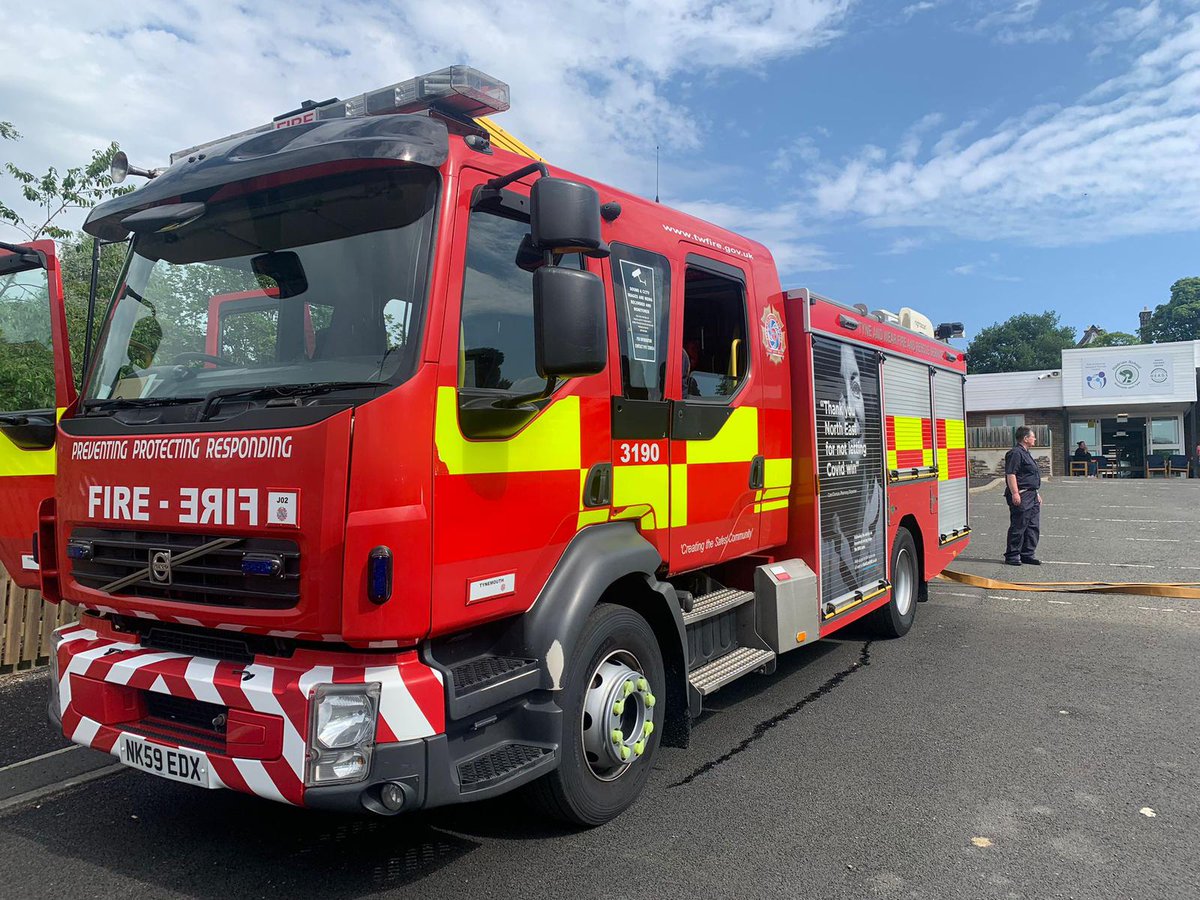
(215,398)
(137,402)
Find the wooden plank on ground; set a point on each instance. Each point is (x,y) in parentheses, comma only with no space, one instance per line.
(12,625)
(29,637)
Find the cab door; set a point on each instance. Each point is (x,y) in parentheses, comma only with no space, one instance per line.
(520,469)
(36,384)
(717,471)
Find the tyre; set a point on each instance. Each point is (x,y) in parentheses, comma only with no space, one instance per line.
(894,619)
(612,719)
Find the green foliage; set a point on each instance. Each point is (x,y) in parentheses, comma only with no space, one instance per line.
(80,187)
(1179,318)
(26,355)
(1023,343)
(1115,339)
(26,352)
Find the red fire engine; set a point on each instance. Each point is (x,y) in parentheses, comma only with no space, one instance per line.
(407,472)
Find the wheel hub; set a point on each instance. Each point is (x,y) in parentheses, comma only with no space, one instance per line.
(617,716)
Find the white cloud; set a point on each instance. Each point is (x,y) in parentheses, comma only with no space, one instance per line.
(1120,161)
(1020,12)
(901,246)
(782,229)
(158,77)
(916,8)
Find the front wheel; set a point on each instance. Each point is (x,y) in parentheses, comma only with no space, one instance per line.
(612,718)
(894,619)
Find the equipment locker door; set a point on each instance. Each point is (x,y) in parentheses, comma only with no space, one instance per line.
(35,385)
(951,437)
(908,422)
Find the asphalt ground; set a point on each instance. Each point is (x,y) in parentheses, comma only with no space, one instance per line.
(1011,745)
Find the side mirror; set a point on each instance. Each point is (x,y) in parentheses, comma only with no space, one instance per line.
(570,331)
(284,268)
(564,217)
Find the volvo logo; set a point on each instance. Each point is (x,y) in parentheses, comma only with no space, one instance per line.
(160,566)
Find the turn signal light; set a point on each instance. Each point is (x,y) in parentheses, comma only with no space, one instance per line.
(261,564)
(379,575)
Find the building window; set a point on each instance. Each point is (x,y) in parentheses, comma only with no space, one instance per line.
(1006,420)
(1164,435)
(1088,432)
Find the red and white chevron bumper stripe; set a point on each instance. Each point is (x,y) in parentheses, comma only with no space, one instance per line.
(104,677)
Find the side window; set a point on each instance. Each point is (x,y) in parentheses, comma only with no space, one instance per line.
(496,350)
(715,353)
(642,285)
(26,347)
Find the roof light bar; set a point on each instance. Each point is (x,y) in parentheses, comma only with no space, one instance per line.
(458,90)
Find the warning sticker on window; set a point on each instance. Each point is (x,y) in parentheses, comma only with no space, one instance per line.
(638,283)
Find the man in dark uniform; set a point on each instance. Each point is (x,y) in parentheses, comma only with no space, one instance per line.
(1024,500)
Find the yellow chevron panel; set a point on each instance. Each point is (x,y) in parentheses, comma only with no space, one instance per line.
(737,441)
(17,462)
(550,443)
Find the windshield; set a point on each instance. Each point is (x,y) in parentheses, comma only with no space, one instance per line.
(305,284)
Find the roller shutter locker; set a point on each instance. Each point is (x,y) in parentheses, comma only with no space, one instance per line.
(951,442)
(908,425)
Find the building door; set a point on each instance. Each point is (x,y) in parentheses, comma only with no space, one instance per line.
(1124,444)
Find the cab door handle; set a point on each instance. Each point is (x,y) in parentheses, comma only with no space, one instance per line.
(758,473)
(597,487)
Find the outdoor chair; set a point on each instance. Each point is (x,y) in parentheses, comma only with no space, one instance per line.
(1103,469)
(1156,462)
(1177,464)
(1079,467)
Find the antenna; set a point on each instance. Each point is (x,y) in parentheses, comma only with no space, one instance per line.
(656,173)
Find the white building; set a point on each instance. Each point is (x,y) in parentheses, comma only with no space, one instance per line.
(1129,404)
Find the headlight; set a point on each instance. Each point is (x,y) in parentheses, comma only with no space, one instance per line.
(344,720)
(342,732)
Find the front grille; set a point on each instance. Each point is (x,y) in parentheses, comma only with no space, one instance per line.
(239,648)
(192,723)
(214,578)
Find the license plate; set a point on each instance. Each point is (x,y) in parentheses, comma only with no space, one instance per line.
(174,763)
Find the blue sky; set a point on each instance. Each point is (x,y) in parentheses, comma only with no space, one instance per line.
(970,159)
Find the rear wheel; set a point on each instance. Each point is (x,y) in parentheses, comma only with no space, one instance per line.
(894,619)
(612,718)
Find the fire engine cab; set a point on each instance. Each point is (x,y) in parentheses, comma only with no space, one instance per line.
(408,469)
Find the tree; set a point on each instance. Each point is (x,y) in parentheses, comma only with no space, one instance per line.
(1025,342)
(1115,339)
(1179,318)
(80,187)
(26,373)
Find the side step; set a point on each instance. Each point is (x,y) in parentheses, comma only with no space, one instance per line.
(500,764)
(709,605)
(476,684)
(724,669)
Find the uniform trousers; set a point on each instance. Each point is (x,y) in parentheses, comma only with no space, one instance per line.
(1024,526)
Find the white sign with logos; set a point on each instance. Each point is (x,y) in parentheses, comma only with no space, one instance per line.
(1138,374)
(1120,376)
